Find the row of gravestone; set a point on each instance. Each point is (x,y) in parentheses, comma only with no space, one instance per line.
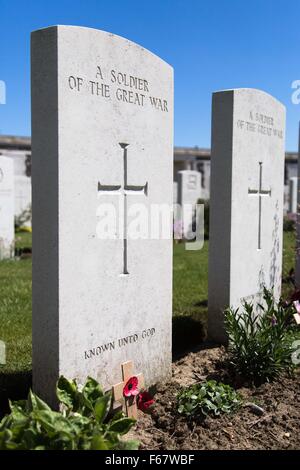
(102,142)
(186,190)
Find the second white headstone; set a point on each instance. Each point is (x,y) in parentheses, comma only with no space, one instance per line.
(246,206)
(293,194)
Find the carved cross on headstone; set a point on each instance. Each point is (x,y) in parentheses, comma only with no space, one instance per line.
(124,191)
(129,404)
(259,192)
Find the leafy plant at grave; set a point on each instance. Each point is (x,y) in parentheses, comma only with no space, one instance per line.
(259,343)
(21,219)
(206,398)
(82,424)
(289,223)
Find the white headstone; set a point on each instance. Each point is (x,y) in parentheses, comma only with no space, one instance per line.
(175,192)
(246,205)
(7,227)
(189,192)
(23,197)
(102,134)
(293,194)
(286,198)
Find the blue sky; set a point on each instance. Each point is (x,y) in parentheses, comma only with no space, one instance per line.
(212,45)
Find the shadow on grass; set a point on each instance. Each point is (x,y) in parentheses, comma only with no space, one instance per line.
(13,386)
(188,333)
(201,303)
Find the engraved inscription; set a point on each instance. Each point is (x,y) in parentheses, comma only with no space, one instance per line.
(192,182)
(253,298)
(119,343)
(260,124)
(119,86)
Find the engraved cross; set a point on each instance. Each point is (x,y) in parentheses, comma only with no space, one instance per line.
(260,193)
(124,191)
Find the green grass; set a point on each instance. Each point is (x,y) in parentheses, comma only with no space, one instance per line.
(190,271)
(189,303)
(23,240)
(15,328)
(289,256)
(15,313)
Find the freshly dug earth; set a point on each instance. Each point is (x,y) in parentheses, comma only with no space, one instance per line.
(276,428)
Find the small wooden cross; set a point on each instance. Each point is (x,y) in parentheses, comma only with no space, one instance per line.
(297,318)
(129,404)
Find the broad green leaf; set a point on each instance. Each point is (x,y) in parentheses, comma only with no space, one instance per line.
(92,390)
(122,426)
(99,443)
(66,391)
(102,407)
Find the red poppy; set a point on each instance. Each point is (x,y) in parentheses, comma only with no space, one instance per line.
(144,401)
(131,387)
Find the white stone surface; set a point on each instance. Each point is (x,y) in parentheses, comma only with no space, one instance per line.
(286,198)
(22,180)
(189,191)
(293,194)
(175,192)
(91,92)
(245,242)
(7,231)
(189,186)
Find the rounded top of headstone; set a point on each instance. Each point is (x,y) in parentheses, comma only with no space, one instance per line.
(97,34)
(251,92)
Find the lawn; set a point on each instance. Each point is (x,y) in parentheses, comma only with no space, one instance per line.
(23,240)
(189,305)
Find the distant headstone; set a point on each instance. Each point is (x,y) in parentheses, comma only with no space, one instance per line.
(246,205)
(175,192)
(7,228)
(293,194)
(286,198)
(102,113)
(189,192)
(23,197)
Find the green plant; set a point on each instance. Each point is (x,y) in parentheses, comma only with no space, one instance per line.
(289,224)
(82,423)
(258,339)
(22,218)
(208,398)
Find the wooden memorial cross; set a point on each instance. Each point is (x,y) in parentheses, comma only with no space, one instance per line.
(129,404)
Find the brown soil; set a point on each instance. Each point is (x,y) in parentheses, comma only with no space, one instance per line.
(276,428)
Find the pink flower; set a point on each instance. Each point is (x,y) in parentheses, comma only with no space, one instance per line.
(273,320)
(144,401)
(131,387)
